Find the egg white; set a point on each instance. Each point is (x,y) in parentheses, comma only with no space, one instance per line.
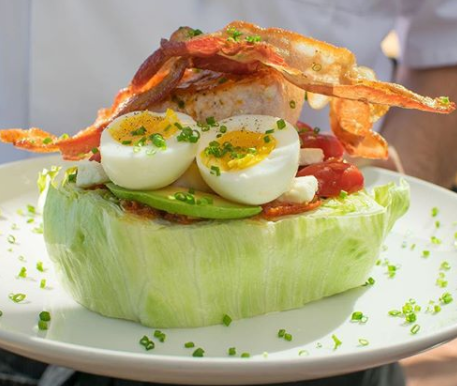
(264,181)
(146,168)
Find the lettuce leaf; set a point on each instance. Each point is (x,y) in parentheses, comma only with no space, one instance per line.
(170,275)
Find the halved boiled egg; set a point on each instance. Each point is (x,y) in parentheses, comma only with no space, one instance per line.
(147,150)
(250,159)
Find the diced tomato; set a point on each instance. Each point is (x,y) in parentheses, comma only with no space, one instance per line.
(329,144)
(333,177)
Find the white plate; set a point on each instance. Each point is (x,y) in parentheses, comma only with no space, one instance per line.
(83,340)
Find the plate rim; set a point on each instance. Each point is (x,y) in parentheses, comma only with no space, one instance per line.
(54,351)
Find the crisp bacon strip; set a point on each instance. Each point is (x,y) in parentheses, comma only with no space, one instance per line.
(312,65)
(351,122)
(33,139)
(358,99)
(319,68)
(77,147)
(274,209)
(152,65)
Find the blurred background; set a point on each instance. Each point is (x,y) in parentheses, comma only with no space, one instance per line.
(62,60)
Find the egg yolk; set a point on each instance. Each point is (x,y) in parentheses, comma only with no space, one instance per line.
(237,150)
(137,129)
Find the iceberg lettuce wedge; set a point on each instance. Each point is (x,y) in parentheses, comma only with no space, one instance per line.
(170,275)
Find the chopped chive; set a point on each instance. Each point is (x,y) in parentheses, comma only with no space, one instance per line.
(446,298)
(11,239)
(435,211)
(215,171)
(444,100)
(158,141)
(357,316)
(223,129)
(411,317)
(45,316)
(253,39)
(425,253)
(39,266)
(47,140)
(140,131)
(226,320)
(343,194)
(23,273)
(391,270)
(234,34)
(435,240)
(415,329)
(245,355)
(30,221)
(436,308)
(210,121)
(364,342)
(188,135)
(95,150)
(160,335)
(42,325)
(413,246)
(303,352)
(43,283)
(281,124)
(17,298)
(232,351)
(441,281)
(445,266)
(437,224)
(189,345)
(199,353)
(394,313)
(126,142)
(194,32)
(288,337)
(266,139)
(281,333)
(292,104)
(336,341)
(271,131)
(370,281)
(147,343)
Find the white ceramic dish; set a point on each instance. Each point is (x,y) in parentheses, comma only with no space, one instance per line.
(83,340)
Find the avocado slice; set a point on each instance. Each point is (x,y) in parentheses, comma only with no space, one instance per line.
(177,200)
